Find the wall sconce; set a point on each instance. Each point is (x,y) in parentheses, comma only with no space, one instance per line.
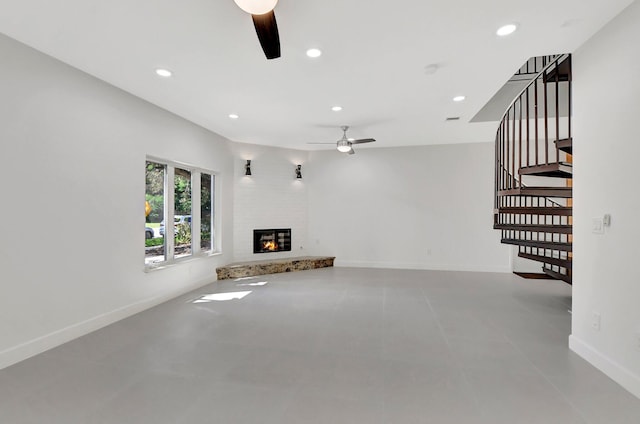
(299,172)
(247,168)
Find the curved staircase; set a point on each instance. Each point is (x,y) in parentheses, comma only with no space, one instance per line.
(533,185)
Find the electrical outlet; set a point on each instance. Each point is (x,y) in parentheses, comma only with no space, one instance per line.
(595,321)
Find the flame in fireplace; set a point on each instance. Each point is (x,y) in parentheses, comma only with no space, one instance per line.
(269,245)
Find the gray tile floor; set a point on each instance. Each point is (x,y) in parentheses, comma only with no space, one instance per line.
(336,345)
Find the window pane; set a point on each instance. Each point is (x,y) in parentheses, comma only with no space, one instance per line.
(206,209)
(182,218)
(154,212)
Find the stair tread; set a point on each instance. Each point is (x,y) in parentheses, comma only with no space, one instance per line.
(565,144)
(547,164)
(554,169)
(565,263)
(537,210)
(539,228)
(567,278)
(551,245)
(563,192)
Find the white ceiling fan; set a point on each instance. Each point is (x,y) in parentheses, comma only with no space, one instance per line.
(344,145)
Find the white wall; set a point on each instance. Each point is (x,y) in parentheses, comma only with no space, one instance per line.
(72,156)
(270,198)
(606,145)
(425,207)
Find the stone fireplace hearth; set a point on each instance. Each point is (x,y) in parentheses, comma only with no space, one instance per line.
(273,266)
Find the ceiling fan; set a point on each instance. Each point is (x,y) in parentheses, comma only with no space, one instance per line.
(344,145)
(264,20)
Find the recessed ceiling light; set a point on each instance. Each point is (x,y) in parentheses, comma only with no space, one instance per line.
(314,53)
(569,22)
(233,116)
(164,72)
(431,69)
(459,98)
(336,108)
(506,30)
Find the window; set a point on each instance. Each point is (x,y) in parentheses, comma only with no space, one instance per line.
(154,210)
(182,209)
(175,227)
(206,212)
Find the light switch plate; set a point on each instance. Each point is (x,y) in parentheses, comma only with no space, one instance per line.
(597,226)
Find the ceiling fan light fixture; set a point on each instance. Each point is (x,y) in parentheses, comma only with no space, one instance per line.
(344,145)
(256,7)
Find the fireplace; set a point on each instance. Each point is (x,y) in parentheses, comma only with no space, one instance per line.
(272,240)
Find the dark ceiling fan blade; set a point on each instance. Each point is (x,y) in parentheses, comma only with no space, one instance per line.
(267,30)
(363,140)
(351,152)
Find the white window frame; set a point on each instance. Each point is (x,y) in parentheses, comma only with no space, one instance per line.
(214,224)
(169,211)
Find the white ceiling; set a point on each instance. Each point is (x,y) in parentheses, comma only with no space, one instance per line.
(373,63)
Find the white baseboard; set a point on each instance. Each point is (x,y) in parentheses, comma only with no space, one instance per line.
(611,368)
(41,344)
(421,266)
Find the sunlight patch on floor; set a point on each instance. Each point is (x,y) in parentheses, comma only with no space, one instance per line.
(221,297)
(260,283)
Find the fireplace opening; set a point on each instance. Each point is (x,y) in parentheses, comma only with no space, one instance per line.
(272,240)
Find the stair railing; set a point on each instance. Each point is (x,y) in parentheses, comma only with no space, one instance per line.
(537,219)
(524,134)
